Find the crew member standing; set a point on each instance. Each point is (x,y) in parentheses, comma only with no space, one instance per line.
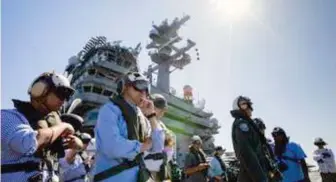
(122,134)
(247,143)
(290,156)
(326,161)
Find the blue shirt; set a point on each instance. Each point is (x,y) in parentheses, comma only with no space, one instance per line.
(72,171)
(18,144)
(294,172)
(215,168)
(113,145)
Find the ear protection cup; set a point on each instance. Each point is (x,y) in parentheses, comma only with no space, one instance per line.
(40,86)
(39,89)
(120,86)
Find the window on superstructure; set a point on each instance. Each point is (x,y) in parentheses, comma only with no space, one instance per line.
(87,88)
(119,61)
(97,90)
(111,76)
(110,57)
(92,116)
(99,74)
(91,71)
(107,92)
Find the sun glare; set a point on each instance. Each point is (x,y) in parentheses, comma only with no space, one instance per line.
(233,9)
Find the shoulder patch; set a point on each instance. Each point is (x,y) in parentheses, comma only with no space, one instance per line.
(244,127)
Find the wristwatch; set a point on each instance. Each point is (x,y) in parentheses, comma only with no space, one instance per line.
(151,115)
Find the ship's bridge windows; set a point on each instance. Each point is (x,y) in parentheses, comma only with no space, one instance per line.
(110,57)
(106,73)
(119,61)
(111,76)
(91,71)
(100,74)
(97,89)
(87,88)
(107,92)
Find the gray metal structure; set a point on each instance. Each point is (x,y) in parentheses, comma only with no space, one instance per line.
(97,67)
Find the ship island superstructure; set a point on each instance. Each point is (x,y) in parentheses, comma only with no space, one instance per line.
(96,69)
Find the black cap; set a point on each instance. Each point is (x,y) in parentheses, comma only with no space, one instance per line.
(159,101)
(219,148)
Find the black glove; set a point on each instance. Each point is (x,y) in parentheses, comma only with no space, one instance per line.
(326,155)
(320,161)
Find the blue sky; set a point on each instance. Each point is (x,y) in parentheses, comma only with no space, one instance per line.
(282,54)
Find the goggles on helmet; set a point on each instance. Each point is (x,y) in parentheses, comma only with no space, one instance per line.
(141,85)
(63,93)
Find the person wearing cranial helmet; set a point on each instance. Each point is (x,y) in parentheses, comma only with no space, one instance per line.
(247,142)
(25,130)
(126,128)
(325,159)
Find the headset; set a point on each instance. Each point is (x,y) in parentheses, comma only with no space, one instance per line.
(120,85)
(42,85)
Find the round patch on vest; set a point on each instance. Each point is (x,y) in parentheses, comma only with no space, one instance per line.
(244,127)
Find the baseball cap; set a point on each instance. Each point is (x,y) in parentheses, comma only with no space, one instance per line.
(159,101)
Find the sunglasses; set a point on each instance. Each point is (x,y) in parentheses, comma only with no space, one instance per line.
(86,141)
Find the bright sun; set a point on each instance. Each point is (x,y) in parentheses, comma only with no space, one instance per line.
(233,9)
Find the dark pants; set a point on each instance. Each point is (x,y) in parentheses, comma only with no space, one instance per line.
(328,177)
